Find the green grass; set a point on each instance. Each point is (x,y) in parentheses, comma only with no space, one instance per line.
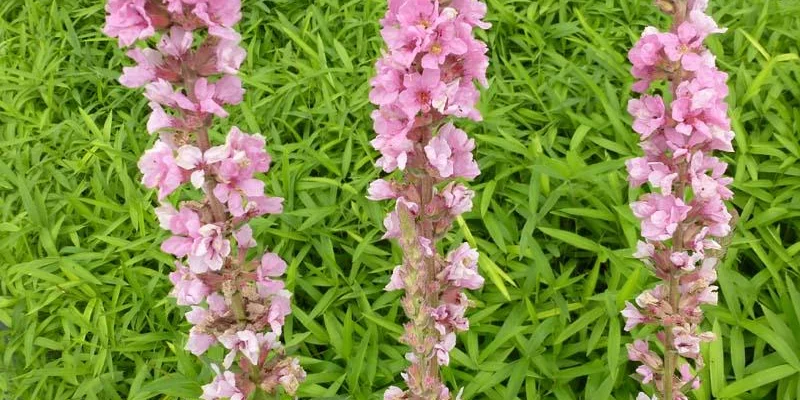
(84,285)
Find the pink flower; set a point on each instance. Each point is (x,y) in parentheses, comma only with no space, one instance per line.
(244,237)
(420,13)
(248,343)
(189,290)
(394,393)
(387,84)
(450,153)
(209,249)
(687,376)
(219,16)
(191,159)
(241,157)
(176,43)
(421,91)
(645,372)
(475,62)
(148,62)
(223,387)
(632,316)
(199,342)
(159,169)
(396,281)
(198,316)
(462,268)
(460,99)
(716,216)
(229,57)
(162,92)
(644,250)
(445,43)
(206,103)
(471,12)
(159,119)
(271,266)
(450,316)
(648,113)
(128,21)
(686,343)
(184,224)
(291,375)
(392,125)
(660,215)
(457,198)
(644,56)
(442,349)
(217,304)
(279,308)
(381,189)
(638,170)
(684,46)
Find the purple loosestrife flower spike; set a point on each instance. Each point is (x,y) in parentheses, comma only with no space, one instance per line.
(237,301)
(426,76)
(684,220)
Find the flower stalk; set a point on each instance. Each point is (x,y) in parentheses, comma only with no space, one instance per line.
(425,78)
(236,300)
(684,219)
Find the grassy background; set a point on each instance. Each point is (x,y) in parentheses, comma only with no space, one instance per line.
(83,282)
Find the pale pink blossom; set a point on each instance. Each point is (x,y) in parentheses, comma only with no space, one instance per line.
(462,268)
(450,153)
(128,21)
(159,169)
(222,387)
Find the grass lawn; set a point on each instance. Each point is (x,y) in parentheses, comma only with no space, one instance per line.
(83,283)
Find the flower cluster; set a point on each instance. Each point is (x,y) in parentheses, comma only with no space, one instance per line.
(236,300)
(684,219)
(427,75)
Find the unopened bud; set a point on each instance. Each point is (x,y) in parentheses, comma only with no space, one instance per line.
(666,6)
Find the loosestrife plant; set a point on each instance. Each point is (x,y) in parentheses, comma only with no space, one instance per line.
(426,76)
(236,300)
(684,220)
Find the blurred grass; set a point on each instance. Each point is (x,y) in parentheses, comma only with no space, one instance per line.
(83,283)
